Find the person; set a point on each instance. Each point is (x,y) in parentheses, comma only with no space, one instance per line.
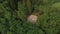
(33,17)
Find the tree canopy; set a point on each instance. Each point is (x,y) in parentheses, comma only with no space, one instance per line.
(13,21)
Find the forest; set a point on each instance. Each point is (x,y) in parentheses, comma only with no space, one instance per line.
(14,14)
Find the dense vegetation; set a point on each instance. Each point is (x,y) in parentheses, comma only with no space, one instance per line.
(14,21)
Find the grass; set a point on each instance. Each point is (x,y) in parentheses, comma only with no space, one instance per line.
(48,22)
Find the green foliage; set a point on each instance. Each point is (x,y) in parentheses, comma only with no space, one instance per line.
(48,22)
(56,5)
(21,11)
